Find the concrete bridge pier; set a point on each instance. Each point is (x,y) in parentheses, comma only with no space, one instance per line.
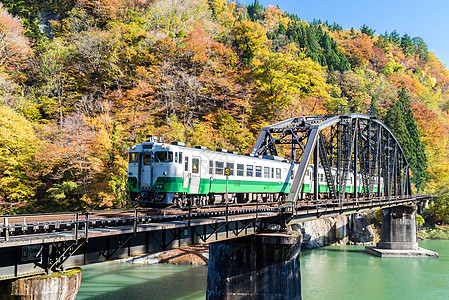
(56,286)
(399,234)
(263,266)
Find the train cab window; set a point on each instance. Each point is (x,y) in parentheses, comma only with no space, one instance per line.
(146,159)
(278,173)
(230,166)
(249,171)
(240,169)
(266,172)
(211,167)
(219,168)
(321,177)
(195,165)
(186,164)
(258,171)
(180,157)
(163,156)
(176,157)
(133,157)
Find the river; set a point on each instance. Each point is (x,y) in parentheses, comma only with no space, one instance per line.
(344,272)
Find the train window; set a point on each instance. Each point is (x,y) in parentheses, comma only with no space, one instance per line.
(240,169)
(321,177)
(195,165)
(258,171)
(186,164)
(230,166)
(163,156)
(278,173)
(211,167)
(176,157)
(249,170)
(219,168)
(147,159)
(266,172)
(133,157)
(180,157)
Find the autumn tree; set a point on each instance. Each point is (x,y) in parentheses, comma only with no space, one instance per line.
(14,46)
(18,146)
(287,80)
(249,39)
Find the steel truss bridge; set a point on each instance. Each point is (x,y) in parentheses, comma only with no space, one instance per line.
(31,244)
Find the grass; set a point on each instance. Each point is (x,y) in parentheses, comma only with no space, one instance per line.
(67,273)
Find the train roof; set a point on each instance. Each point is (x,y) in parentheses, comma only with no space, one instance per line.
(148,145)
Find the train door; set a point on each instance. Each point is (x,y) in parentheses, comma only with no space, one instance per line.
(186,176)
(145,171)
(195,176)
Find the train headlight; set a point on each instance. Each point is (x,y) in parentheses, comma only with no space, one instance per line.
(164,173)
(163,146)
(133,147)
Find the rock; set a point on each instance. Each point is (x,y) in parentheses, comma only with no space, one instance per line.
(362,232)
(335,230)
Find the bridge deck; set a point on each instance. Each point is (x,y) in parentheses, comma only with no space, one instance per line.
(47,242)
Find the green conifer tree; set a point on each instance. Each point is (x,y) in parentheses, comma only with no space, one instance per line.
(401,121)
(407,45)
(374,109)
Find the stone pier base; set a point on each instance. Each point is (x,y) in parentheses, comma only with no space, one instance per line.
(398,235)
(264,266)
(57,286)
(420,252)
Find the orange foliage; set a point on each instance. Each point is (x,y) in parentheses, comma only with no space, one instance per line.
(198,44)
(14,46)
(432,131)
(412,84)
(359,50)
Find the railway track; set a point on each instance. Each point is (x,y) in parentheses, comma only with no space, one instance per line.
(16,225)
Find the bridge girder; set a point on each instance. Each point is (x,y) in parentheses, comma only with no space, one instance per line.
(340,144)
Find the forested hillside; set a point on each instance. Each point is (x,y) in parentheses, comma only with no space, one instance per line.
(82,81)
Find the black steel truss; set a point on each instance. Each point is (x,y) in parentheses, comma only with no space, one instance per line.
(345,145)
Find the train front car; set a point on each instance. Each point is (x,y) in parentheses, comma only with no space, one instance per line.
(153,170)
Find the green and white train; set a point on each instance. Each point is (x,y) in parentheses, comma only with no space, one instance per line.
(163,174)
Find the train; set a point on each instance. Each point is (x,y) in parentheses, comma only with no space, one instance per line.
(162,174)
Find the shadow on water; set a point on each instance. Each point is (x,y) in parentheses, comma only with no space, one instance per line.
(186,284)
(340,249)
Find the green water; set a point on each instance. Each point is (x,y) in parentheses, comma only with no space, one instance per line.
(326,273)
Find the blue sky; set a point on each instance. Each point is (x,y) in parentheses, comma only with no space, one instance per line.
(428,19)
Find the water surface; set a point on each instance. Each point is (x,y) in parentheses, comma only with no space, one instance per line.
(335,273)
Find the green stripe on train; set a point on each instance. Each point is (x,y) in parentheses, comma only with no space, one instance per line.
(175,185)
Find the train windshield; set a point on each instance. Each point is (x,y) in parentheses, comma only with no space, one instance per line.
(147,159)
(163,156)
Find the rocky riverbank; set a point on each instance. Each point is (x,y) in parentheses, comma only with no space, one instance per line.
(196,255)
